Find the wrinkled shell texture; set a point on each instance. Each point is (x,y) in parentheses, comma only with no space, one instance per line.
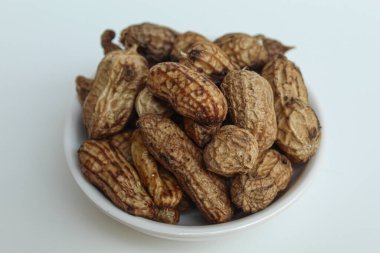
(168,215)
(106,168)
(299,131)
(250,101)
(83,87)
(154,42)
(163,194)
(175,151)
(183,42)
(286,81)
(190,94)
(207,58)
(200,134)
(122,142)
(254,191)
(252,194)
(147,103)
(276,166)
(110,102)
(244,50)
(233,150)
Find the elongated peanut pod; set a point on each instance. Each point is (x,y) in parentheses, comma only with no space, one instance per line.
(163,188)
(106,168)
(175,151)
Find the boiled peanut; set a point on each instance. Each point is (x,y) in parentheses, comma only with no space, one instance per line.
(233,150)
(190,94)
(183,42)
(200,134)
(106,41)
(110,102)
(147,103)
(299,131)
(106,168)
(174,150)
(207,58)
(151,179)
(286,81)
(155,42)
(250,100)
(83,87)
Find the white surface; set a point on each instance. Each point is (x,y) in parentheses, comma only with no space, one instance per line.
(44,45)
(191,226)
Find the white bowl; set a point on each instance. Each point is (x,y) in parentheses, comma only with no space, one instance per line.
(192,226)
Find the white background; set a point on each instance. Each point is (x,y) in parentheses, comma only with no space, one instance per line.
(45,44)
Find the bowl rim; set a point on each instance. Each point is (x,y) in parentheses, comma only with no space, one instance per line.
(182,232)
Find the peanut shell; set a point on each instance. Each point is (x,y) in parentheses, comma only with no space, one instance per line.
(110,102)
(106,41)
(207,58)
(252,194)
(83,87)
(183,42)
(174,150)
(122,142)
(286,81)
(106,168)
(250,100)
(200,134)
(147,103)
(233,150)
(163,194)
(190,94)
(299,131)
(155,42)
(273,164)
(244,50)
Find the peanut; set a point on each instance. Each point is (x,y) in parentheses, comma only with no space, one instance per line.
(172,148)
(200,134)
(183,42)
(299,131)
(273,47)
(106,42)
(286,81)
(155,42)
(109,104)
(232,151)
(83,87)
(168,215)
(106,168)
(147,103)
(250,51)
(276,166)
(163,194)
(254,191)
(250,100)
(206,57)
(244,50)
(122,142)
(190,94)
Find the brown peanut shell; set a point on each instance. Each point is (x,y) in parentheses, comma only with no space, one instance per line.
(190,94)
(250,101)
(174,150)
(154,42)
(161,186)
(233,150)
(299,131)
(110,103)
